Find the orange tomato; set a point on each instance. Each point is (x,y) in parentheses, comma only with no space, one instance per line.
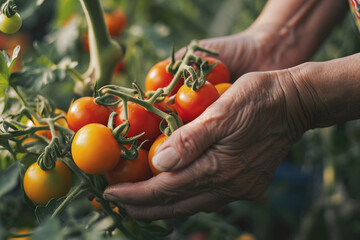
(116,22)
(95,150)
(47,133)
(222,87)
(41,186)
(157,143)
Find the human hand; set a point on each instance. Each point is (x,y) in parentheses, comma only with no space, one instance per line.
(259,48)
(228,153)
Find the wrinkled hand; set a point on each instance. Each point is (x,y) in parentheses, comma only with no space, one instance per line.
(228,153)
(256,49)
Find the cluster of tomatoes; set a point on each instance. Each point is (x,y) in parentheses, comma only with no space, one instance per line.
(94,148)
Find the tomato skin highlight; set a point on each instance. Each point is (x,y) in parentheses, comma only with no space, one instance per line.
(10,25)
(140,121)
(41,186)
(130,170)
(159,77)
(94,149)
(190,104)
(219,74)
(157,143)
(84,111)
(222,87)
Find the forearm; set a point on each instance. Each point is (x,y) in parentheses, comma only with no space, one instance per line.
(294,29)
(329,91)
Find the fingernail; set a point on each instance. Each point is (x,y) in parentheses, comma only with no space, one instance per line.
(166,159)
(110,197)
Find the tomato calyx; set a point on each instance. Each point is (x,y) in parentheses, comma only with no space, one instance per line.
(120,133)
(9,8)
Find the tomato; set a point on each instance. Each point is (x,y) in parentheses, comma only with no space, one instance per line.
(47,133)
(116,22)
(85,41)
(120,67)
(22,231)
(159,77)
(84,111)
(94,149)
(222,87)
(166,107)
(130,170)
(219,74)
(96,205)
(41,186)
(190,104)
(140,121)
(160,140)
(10,25)
(246,236)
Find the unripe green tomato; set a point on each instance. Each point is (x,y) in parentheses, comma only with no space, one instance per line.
(10,25)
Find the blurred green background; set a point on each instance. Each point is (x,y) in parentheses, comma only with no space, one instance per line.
(315,193)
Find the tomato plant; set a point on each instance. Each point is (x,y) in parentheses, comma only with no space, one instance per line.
(219,74)
(11,24)
(131,170)
(41,186)
(154,147)
(47,133)
(141,121)
(84,111)
(159,77)
(190,104)
(94,149)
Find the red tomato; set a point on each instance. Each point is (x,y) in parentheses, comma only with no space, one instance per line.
(130,170)
(159,77)
(115,22)
(222,87)
(219,74)
(84,111)
(85,41)
(190,104)
(95,150)
(140,121)
(120,67)
(160,140)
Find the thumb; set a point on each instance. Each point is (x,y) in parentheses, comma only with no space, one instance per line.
(184,146)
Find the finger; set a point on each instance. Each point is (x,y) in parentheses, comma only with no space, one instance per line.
(185,145)
(183,208)
(167,187)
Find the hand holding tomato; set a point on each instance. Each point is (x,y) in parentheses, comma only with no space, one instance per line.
(228,153)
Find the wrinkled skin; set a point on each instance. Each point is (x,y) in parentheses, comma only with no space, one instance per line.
(229,153)
(256,49)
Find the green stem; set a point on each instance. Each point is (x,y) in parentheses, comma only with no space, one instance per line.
(105,53)
(74,193)
(25,104)
(75,75)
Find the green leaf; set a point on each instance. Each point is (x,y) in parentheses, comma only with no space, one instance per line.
(151,231)
(4,75)
(51,229)
(4,83)
(4,70)
(43,213)
(10,179)
(14,57)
